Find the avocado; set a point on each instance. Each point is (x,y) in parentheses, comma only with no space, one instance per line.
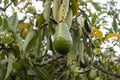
(62,40)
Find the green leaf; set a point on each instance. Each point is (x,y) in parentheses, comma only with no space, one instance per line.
(5,24)
(15,2)
(96,6)
(7,40)
(0,1)
(69,17)
(74,6)
(6,2)
(31,9)
(55,9)
(40,19)
(0,20)
(30,40)
(94,17)
(11,60)
(16,65)
(44,74)
(31,72)
(114,25)
(87,26)
(13,21)
(47,10)
(71,57)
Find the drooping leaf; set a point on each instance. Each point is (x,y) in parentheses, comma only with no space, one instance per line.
(13,21)
(69,17)
(47,10)
(98,33)
(7,40)
(40,19)
(29,40)
(114,25)
(55,9)
(74,6)
(11,60)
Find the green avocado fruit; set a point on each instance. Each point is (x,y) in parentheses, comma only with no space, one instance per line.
(62,39)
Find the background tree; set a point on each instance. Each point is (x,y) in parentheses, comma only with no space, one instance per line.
(27,45)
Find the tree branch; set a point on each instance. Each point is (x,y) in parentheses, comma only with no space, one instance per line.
(4,9)
(105,71)
(48,61)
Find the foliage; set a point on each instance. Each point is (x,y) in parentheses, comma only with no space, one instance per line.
(26,44)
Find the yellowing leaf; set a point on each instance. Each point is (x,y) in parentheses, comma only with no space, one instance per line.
(22,0)
(23,25)
(93,34)
(98,33)
(63,11)
(112,35)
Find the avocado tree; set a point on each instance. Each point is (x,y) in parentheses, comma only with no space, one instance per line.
(62,40)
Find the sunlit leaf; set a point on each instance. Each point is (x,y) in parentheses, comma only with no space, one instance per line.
(47,10)
(96,6)
(23,25)
(98,33)
(112,35)
(55,9)
(75,6)
(7,40)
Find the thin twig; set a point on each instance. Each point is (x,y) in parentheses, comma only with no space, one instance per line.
(4,9)
(105,71)
(42,26)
